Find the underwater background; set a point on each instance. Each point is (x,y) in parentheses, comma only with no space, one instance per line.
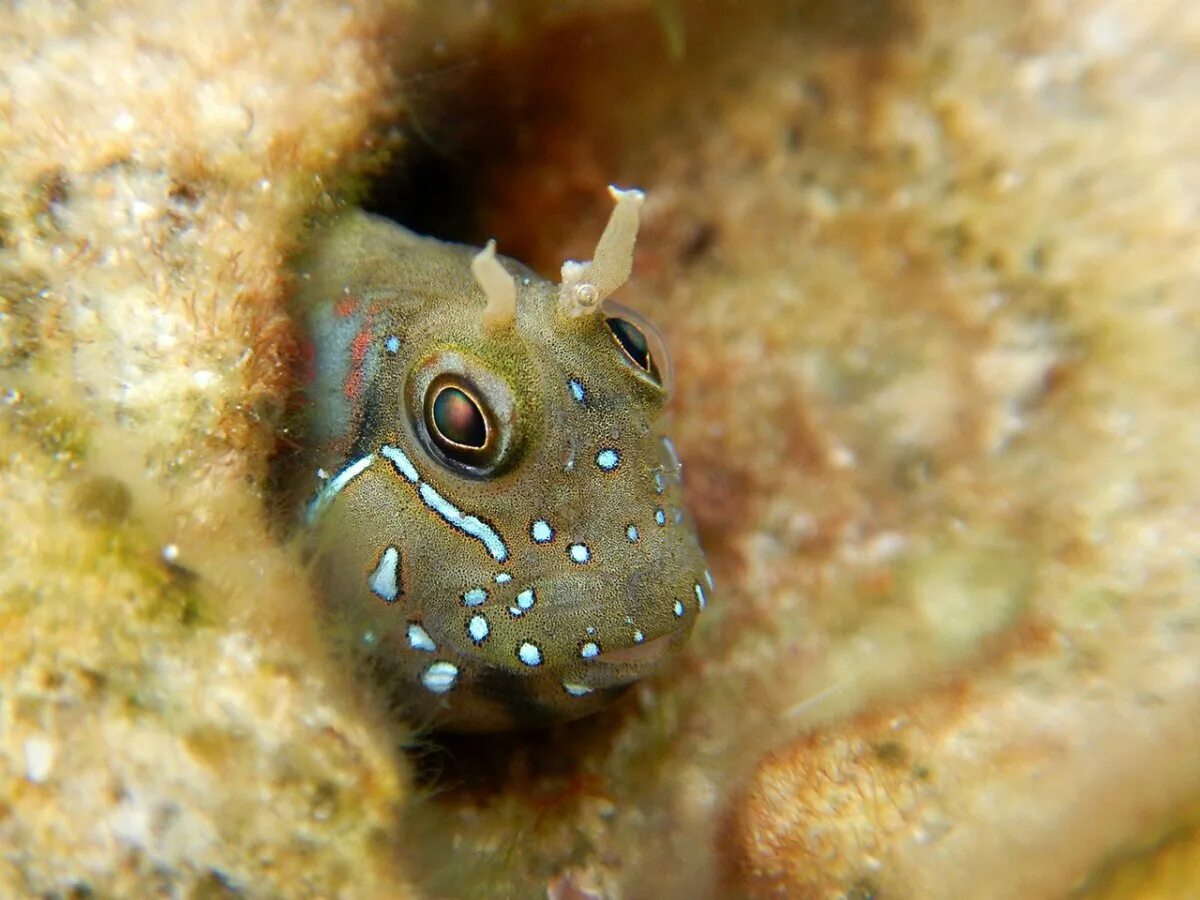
(929,273)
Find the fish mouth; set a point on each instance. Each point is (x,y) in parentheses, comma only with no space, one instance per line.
(638,654)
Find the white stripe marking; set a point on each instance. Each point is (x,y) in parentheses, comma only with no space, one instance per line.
(400,460)
(334,486)
(467,524)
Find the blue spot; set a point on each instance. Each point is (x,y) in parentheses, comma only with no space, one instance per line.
(392,344)
(660,517)
(478,629)
(503,578)
(530,654)
(440,677)
(526,599)
(541,532)
(577,390)
(590,650)
(700,598)
(385,579)
(579,553)
(632,533)
(660,483)
(638,637)
(474,596)
(678,608)
(608,459)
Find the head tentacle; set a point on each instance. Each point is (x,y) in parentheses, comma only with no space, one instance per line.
(498,287)
(586,285)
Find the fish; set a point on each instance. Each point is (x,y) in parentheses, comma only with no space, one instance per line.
(492,507)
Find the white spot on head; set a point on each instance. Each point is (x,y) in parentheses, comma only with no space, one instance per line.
(392,344)
(632,533)
(369,638)
(638,637)
(541,532)
(440,677)
(419,639)
(660,483)
(503,578)
(530,654)
(608,459)
(678,608)
(700,598)
(590,650)
(577,390)
(659,516)
(474,596)
(478,629)
(579,553)
(708,579)
(576,690)
(385,579)
(170,553)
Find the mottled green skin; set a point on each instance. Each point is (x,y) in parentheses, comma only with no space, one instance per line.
(368,280)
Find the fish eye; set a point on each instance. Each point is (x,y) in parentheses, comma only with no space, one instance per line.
(460,424)
(640,345)
(633,342)
(457,422)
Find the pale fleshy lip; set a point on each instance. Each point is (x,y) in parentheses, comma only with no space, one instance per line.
(638,654)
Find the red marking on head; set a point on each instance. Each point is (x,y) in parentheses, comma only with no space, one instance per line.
(358,353)
(345,307)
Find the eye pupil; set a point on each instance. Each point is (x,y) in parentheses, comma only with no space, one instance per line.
(458,419)
(633,342)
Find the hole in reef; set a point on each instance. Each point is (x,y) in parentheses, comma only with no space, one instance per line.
(516,136)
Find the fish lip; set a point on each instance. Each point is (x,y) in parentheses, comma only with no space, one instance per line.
(645,654)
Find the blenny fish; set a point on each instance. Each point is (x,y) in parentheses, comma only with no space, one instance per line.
(497,522)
